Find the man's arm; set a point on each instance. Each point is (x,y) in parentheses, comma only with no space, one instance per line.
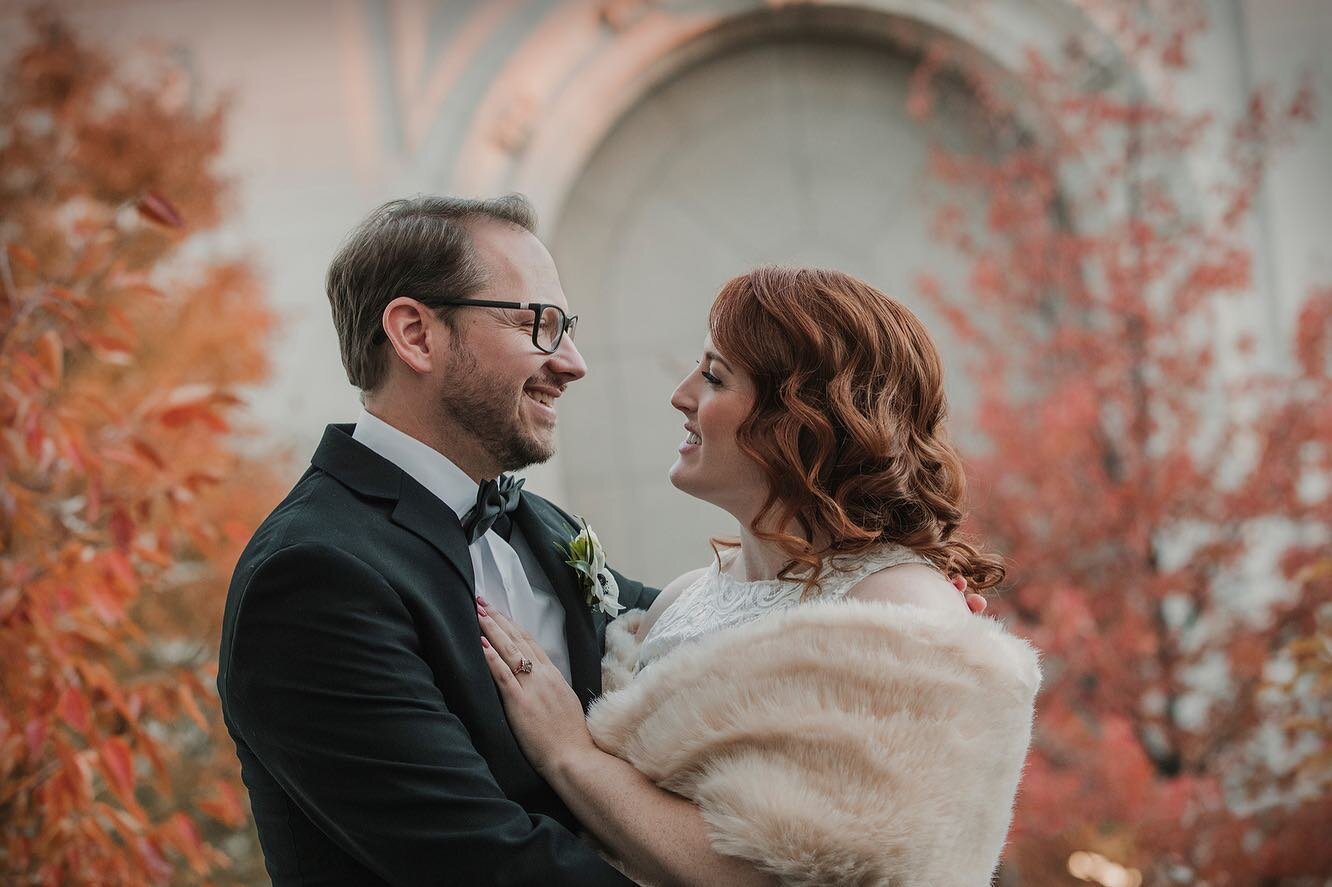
(327,686)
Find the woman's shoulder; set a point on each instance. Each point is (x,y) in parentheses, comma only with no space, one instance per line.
(668,596)
(915,582)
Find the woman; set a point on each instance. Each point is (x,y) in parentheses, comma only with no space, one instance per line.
(817,706)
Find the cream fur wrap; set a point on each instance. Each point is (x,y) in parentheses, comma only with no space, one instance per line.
(837,742)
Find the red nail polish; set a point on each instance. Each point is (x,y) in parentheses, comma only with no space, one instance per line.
(482,601)
(484,642)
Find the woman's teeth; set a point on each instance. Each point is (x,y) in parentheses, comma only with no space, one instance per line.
(692,438)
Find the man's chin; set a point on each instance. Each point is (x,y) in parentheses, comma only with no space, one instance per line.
(530,450)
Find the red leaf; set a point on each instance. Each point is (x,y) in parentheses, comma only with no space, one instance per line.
(118,767)
(122,529)
(34,734)
(179,417)
(75,710)
(157,208)
(186,838)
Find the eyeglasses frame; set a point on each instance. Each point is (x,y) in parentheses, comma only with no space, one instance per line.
(537,308)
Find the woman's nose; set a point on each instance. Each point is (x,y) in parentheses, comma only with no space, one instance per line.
(681,399)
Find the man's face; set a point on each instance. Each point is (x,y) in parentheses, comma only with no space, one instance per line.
(496,383)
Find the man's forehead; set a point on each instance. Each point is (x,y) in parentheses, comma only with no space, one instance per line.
(514,257)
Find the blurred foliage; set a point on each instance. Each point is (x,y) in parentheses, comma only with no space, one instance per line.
(1161,484)
(124,493)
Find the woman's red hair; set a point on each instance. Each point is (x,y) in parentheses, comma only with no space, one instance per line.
(847,423)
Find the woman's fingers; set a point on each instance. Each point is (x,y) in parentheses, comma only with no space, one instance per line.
(505,646)
(521,638)
(500,671)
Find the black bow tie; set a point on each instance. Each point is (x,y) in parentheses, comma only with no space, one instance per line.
(495,500)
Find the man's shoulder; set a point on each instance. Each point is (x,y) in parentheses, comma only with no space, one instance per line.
(318,511)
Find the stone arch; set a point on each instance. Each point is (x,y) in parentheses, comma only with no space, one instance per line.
(568,87)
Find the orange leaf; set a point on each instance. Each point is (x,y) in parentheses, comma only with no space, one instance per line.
(94,258)
(152,857)
(109,349)
(227,807)
(236,531)
(157,208)
(75,710)
(147,452)
(199,479)
(22,255)
(186,696)
(186,838)
(93,511)
(178,417)
(152,555)
(51,353)
(66,294)
(118,767)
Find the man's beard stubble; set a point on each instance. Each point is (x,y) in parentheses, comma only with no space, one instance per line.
(489,411)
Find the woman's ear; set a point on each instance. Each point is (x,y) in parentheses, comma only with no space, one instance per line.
(407,324)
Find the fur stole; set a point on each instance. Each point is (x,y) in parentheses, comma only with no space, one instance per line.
(838,742)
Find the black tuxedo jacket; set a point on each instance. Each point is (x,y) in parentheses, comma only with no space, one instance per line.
(370,734)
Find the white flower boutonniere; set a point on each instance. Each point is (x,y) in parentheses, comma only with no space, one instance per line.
(588,559)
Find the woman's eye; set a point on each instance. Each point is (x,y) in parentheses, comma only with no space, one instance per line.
(711,379)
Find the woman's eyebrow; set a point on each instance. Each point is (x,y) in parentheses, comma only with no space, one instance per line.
(717,358)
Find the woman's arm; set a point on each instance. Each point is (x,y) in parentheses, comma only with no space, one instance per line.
(660,837)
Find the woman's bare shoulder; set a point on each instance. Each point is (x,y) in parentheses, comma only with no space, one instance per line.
(914,584)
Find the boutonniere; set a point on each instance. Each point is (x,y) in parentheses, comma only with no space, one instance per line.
(588,559)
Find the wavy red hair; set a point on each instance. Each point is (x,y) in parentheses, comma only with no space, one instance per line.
(847,423)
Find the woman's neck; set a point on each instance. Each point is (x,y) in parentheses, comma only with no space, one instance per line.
(758,559)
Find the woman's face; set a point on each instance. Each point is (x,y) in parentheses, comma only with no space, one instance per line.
(715,398)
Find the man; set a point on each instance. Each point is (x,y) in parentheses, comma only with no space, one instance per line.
(351,674)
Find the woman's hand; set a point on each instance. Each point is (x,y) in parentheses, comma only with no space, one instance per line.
(543,710)
(975,602)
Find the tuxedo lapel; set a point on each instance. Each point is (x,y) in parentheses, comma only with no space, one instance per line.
(417,510)
(421,512)
(581,632)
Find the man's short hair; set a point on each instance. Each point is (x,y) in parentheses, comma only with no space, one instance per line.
(419,247)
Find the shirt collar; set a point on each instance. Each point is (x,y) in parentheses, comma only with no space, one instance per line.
(429,467)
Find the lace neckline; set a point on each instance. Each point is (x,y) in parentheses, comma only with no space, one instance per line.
(836,567)
(717,599)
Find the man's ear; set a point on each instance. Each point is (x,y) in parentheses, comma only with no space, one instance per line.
(407,324)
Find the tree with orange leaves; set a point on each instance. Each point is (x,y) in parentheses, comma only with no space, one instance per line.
(121,359)
(1141,460)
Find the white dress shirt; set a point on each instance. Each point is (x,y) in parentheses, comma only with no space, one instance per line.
(500,577)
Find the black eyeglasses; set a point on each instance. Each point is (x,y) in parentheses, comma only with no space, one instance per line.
(549,322)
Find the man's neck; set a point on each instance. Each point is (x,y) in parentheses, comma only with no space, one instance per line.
(453,444)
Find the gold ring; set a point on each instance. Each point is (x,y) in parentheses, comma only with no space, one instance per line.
(524,666)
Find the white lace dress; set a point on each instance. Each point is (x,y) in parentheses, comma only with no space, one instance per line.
(718,600)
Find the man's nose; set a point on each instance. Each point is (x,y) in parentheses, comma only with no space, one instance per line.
(567,361)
